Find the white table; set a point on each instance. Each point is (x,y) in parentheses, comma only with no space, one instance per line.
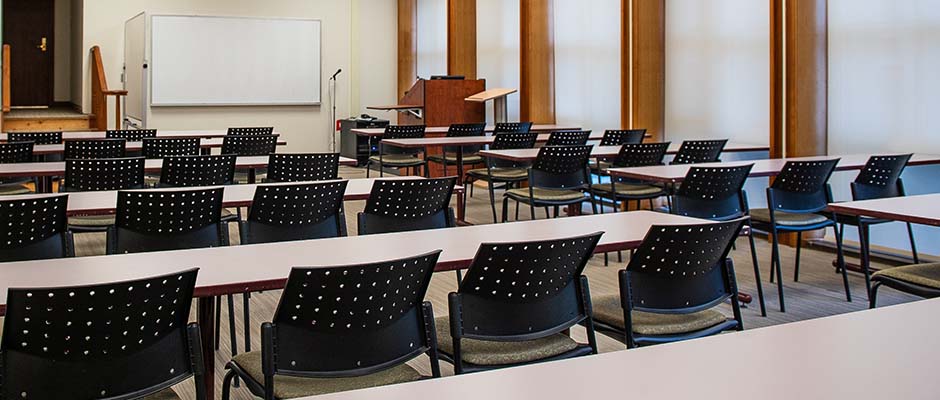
(521,155)
(205,144)
(161,133)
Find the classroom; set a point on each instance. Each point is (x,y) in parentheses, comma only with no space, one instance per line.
(465,199)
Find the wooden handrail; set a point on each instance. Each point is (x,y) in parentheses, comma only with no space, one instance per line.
(100,94)
(6,78)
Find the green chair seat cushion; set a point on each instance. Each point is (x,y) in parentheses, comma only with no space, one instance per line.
(546,194)
(398,160)
(484,352)
(607,309)
(452,159)
(92,221)
(288,387)
(627,189)
(500,173)
(10,190)
(927,275)
(787,219)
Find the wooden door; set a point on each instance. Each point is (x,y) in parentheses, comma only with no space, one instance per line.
(28,27)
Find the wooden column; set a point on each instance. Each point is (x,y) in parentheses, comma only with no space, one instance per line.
(806,86)
(537,61)
(407,44)
(776,79)
(643,65)
(462,38)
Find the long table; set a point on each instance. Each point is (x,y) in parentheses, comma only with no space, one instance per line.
(886,353)
(440,130)
(521,155)
(205,144)
(922,209)
(161,133)
(240,269)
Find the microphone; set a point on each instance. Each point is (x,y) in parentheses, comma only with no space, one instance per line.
(337,73)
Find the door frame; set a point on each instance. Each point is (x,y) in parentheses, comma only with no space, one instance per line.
(50,73)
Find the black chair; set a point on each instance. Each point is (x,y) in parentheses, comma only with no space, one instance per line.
(249,131)
(129,340)
(559,177)
(470,153)
(156,148)
(343,328)
(303,167)
(396,157)
(620,137)
(517,303)
(100,175)
(674,282)
(14,153)
(625,190)
(35,229)
(797,202)
(700,151)
(408,205)
(192,171)
(306,211)
(717,194)
(52,137)
(131,135)
(504,172)
(94,149)
(568,138)
(919,279)
(512,127)
(249,145)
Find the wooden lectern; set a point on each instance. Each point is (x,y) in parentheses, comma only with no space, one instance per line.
(500,106)
(440,102)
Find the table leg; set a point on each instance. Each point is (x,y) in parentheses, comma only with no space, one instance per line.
(462,207)
(252,175)
(206,306)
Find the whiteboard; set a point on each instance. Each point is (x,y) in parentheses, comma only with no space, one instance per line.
(135,35)
(227,61)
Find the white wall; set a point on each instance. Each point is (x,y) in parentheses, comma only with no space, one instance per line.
(374,72)
(432,38)
(498,49)
(62,82)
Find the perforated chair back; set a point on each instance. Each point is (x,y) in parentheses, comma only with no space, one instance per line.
(402,132)
(568,138)
(620,137)
(97,148)
(131,135)
(512,127)
(103,174)
(681,269)
(303,167)
(155,148)
(407,205)
(249,145)
(251,130)
(524,290)
(193,171)
(561,167)
(715,193)
(72,342)
(465,130)
(802,186)
(160,220)
(34,229)
(36,137)
(16,152)
(641,155)
(352,320)
(511,141)
(881,177)
(700,151)
(281,213)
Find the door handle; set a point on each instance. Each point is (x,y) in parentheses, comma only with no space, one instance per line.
(43,46)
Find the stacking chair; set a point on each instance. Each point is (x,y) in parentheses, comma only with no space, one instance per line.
(302,167)
(191,171)
(51,137)
(797,202)
(700,151)
(129,340)
(408,205)
(470,153)
(247,146)
(625,190)
(674,282)
(156,148)
(251,130)
(395,157)
(343,328)
(517,303)
(512,127)
(94,149)
(95,175)
(504,172)
(304,211)
(717,194)
(35,229)
(568,138)
(919,279)
(131,135)
(620,137)
(559,177)
(14,153)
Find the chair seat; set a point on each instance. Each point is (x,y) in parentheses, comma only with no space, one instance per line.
(287,387)
(92,221)
(628,189)
(546,194)
(151,180)
(501,173)
(787,219)
(607,309)
(927,275)
(402,160)
(600,165)
(483,352)
(452,159)
(10,190)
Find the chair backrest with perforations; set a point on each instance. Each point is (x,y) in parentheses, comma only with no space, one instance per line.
(881,177)
(131,135)
(465,130)
(620,137)
(524,290)
(407,205)
(568,138)
(304,211)
(36,137)
(249,145)
(303,167)
(641,155)
(512,127)
(561,167)
(715,193)
(74,342)
(511,141)
(802,186)
(159,220)
(353,320)
(16,152)
(190,171)
(251,130)
(682,268)
(155,148)
(103,174)
(700,151)
(402,132)
(34,229)
(97,148)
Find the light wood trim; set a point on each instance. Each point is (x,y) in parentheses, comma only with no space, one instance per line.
(625,54)
(462,38)
(491,94)
(537,61)
(407,45)
(100,94)
(647,66)
(6,78)
(776,79)
(806,77)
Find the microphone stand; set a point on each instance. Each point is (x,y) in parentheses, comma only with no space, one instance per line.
(332,130)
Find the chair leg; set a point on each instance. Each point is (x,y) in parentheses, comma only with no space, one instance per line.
(760,285)
(873,295)
(231,328)
(506,208)
(532,210)
(775,265)
(368,168)
(247,318)
(841,261)
(517,211)
(459,277)
(799,246)
(606,259)
(492,200)
(218,321)
(841,237)
(864,232)
(227,385)
(910,233)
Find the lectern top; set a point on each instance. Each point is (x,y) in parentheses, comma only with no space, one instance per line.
(490,95)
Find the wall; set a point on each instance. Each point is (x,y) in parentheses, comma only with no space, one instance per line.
(374,70)
(498,49)
(62,82)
